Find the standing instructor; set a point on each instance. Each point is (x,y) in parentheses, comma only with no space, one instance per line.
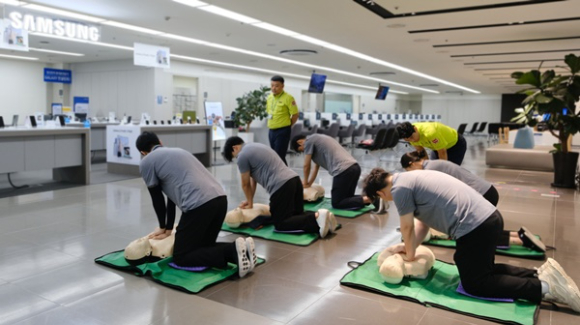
(282,114)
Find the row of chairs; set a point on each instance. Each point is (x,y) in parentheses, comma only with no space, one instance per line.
(474,129)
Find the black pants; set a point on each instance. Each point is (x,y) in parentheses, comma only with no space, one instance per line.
(287,208)
(480,276)
(197,231)
(492,195)
(280,140)
(343,187)
(456,153)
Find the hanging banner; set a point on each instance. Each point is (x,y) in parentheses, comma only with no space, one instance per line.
(57,75)
(151,56)
(13,38)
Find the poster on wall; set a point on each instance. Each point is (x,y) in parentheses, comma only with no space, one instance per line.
(13,38)
(214,113)
(81,105)
(121,144)
(151,55)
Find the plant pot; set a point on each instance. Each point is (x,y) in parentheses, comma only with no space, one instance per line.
(565,169)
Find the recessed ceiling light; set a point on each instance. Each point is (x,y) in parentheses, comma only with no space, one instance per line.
(298,52)
(396,25)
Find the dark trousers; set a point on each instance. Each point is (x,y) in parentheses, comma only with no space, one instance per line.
(343,187)
(480,276)
(492,195)
(287,208)
(280,140)
(456,153)
(197,231)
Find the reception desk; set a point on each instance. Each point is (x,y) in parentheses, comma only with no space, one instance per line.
(124,158)
(64,150)
(98,133)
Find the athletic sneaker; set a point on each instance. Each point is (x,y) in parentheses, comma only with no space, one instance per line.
(251,248)
(323,221)
(380,205)
(243,260)
(333,223)
(562,288)
(530,240)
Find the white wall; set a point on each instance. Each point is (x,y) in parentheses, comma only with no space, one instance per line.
(22,89)
(116,86)
(457,109)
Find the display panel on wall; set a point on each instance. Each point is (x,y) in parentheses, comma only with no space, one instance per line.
(317,82)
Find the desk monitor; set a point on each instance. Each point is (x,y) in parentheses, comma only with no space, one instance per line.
(15,120)
(370,117)
(380,116)
(404,116)
(189,116)
(361,116)
(388,116)
(396,116)
(334,116)
(318,116)
(348,116)
(1,122)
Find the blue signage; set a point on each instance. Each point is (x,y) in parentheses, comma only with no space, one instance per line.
(57,75)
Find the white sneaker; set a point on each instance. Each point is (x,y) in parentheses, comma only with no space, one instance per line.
(251,248)
(323,222)
(562,288)
(243,260)
(333,222)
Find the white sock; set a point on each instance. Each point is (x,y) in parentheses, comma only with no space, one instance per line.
(545,287)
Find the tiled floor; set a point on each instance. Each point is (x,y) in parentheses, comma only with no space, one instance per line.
(48,242)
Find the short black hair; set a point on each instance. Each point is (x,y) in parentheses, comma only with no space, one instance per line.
(228,152)
(278,78)
(374,182)
(405,130)
(410,157)
(146,141)
(294,144)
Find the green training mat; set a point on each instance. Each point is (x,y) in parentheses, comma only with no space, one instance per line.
(267,232)
(325,203)
(162,273)
(438,290)
(514,250)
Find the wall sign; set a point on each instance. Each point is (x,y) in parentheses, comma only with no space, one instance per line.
(57,75)
(12,38)
(81,105)
(57,27)
(151,56)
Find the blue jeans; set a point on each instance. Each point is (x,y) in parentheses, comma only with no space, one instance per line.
(280,140)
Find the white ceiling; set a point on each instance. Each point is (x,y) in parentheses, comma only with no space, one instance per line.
(344,23)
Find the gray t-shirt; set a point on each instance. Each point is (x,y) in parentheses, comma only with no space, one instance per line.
(462,174)
(328,153)
(440,201)
(182,177)
(265,166)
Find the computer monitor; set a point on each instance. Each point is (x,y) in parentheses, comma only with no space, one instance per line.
(380,116)
(317,82)
(361,116)
(348,116)
(334,116)
(318,116)
(382,92)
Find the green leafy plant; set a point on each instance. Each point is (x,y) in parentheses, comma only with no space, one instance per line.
(251,106)
(554,97)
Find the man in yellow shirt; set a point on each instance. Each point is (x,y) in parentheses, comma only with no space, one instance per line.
(282,114)
(445,142)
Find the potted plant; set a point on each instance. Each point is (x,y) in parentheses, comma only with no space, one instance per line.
(554,97)
(251,106)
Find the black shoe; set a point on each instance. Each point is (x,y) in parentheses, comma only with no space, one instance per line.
(530,240)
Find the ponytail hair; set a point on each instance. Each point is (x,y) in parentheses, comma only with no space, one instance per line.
(410,157)
(374,182)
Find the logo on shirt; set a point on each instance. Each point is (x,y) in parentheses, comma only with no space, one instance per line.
(435,140)
(293,103)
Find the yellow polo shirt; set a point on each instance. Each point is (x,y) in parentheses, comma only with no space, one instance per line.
(435,136)
(280,108)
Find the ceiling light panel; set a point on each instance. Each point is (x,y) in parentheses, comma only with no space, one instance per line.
(192,3)
(17,57)
(55,52)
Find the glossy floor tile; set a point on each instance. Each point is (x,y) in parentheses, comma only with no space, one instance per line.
(48,242)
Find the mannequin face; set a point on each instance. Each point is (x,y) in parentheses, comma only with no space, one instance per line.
(417,165)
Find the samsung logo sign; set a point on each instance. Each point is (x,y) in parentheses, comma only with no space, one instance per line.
(55,27)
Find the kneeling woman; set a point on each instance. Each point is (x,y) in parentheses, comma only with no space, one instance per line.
(446,204)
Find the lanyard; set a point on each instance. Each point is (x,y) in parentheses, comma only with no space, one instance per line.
(275,103)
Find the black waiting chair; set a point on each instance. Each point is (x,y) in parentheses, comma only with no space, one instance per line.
(473,128)
(481,129)
(360,132)
(345,133)
(332,131)
(461,128)
(312,130)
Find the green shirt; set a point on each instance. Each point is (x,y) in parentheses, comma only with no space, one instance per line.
(435,136)
(280,109)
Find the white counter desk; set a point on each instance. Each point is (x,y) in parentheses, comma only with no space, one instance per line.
(98,133)
(123,156)
(64,150)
